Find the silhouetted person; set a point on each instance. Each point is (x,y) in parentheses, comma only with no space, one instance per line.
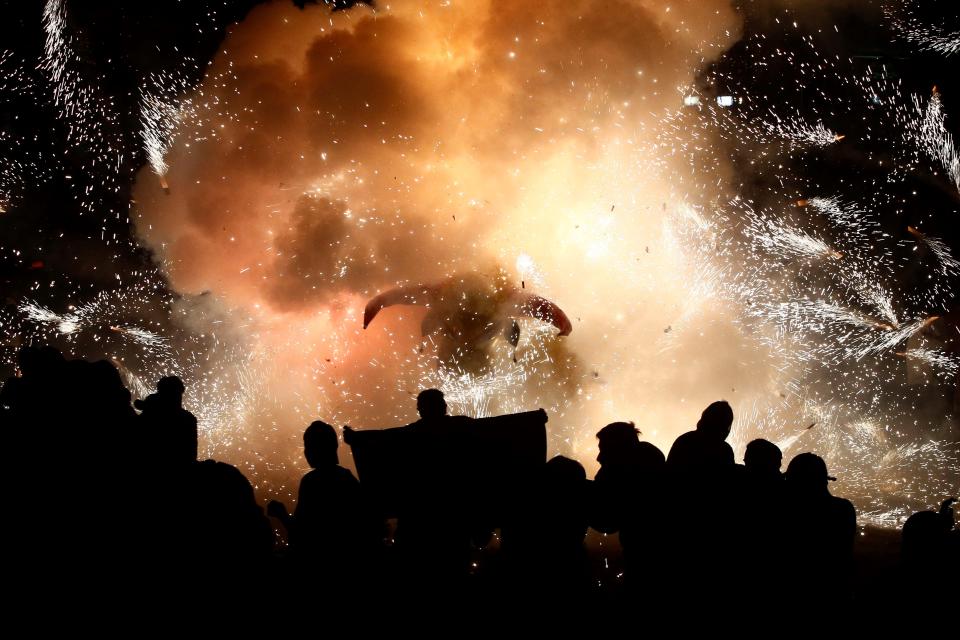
(168,431)
(431,405)
(78,415)
(40,371)
(820,531)
(221,527)
(434,527)
(31,417)
(760,521)
(763,460)
(543,546)
(622,453)
(703,497)
(627,498)
(930,558)
(331,532)
(705,450)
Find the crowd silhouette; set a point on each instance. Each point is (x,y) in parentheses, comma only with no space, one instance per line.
(118,490)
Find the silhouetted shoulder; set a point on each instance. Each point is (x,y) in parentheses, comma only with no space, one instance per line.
(344,477)
(327,476)
(844,511)
(648,454)
(726,453)
(682,446)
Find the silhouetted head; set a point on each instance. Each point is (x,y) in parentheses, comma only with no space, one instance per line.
(33,361)
(807,473)
(171,387)
(146,404)
(716,420)
(320,444)
(762,456)
(925,536)
(105,383)
(562,472)
(430,404)
(562,480)
(618,443)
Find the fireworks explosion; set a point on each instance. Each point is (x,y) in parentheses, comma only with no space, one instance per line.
(712,226)
(813,242)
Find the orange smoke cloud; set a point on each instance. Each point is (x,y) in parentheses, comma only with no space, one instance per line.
(334,155)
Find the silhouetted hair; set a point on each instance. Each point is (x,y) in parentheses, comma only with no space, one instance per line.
(716,419)
(763,455)
(430,403)
(565,471)
(320,444)
(619,433)
(170,385)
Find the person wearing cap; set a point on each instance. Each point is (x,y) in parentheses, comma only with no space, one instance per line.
(820,529)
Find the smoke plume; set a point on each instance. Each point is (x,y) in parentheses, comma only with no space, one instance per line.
(330,156)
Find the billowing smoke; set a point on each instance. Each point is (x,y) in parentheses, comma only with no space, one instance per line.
(330,156)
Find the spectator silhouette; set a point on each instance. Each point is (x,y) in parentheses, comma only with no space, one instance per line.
(623,454)
(431,405)
(543,545)
(820,532)
(705,450)
(40,368)
(760,521)
(682,521)
(701,518)
(434,527)
(930,558)
(763,460)
(223,528)
(627,498)
(169,431)
(331,532)
(78,414)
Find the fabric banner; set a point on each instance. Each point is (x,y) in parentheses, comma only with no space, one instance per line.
(477,463)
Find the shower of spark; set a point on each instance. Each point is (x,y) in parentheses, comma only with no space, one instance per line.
(96,137)
(24,163)
(803,134)
(159,115)
(946,264)
(855,316)
(97,320)
(929,132)
(93,131)
(943,364)
(222,376)
(920,32)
